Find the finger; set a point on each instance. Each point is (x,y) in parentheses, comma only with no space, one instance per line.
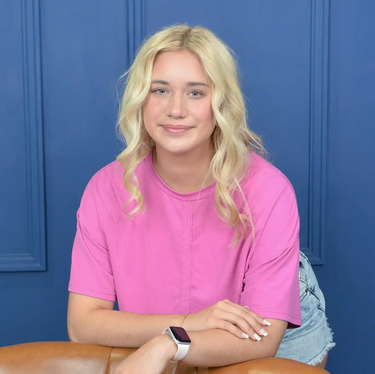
(259,319)
(254,322)
(233,329)
(250,327)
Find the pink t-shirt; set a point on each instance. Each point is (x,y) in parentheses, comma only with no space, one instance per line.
(176,257)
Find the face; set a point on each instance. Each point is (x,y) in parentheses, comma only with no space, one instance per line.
(178,113)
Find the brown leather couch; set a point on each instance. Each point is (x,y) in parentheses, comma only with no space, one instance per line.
(77,358)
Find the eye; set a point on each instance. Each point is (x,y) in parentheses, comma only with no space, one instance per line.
(159,89)
(197,92)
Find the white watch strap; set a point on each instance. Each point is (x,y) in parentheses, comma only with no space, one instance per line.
(182,349)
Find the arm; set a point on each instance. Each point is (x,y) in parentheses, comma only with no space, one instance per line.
(208,348)
(93,321)
(220,348)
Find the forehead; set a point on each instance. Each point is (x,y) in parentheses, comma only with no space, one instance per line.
(181,65)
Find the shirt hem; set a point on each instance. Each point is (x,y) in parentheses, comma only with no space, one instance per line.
(293,320)
(91,292)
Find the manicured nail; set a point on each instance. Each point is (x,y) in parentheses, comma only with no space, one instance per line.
(245,336)
(246,307)
(266,322)
(256,336)
(263,332)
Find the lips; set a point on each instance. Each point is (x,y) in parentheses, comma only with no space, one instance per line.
(176,129)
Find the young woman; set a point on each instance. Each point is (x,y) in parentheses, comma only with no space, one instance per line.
(191,226)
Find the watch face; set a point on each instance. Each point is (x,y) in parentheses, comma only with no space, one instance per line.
(180,334)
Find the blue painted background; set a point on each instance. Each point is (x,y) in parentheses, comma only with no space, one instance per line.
(308,73)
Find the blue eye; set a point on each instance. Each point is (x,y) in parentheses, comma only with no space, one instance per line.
(162,91)
(199,93)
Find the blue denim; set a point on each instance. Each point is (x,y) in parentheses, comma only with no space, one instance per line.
(311,342)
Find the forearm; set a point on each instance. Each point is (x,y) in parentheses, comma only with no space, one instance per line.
(219,348)
(121,329)
(215,347)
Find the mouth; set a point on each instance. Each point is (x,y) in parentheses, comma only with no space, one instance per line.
(176,129)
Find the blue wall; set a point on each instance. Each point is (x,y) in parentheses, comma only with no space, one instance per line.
(308,72)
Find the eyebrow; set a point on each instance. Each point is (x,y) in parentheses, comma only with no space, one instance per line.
(188,83)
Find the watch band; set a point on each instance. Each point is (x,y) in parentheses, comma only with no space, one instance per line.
(182,349)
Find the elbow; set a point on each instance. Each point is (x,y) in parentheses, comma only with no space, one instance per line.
(76,339)
(74,334)
(266,351)
(273,353)
(274,348)
(269,351)
(73,339)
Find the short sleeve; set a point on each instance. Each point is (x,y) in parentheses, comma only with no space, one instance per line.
(91,270)
(271,280)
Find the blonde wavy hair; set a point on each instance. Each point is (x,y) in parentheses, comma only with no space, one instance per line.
(232,139)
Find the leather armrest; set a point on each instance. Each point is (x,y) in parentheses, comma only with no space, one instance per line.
(77,358)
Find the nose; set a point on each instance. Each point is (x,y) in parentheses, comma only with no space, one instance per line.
(177,105)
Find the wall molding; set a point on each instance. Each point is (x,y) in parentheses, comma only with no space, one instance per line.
(319,42)
(136,30)
(34,257)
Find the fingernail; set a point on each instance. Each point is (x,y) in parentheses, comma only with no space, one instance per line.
(263,332)
(266,322)
(256,336)
(245,336)
(246,307)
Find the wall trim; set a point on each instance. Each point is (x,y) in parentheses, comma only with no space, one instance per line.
(136,30)
(34,257)
(318,131)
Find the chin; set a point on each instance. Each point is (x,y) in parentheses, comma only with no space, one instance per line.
(175,146)
(181,146)
(178,150)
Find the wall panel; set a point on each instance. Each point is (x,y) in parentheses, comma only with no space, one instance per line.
(22,232)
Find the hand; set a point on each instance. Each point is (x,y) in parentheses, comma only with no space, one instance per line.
(225,315)
(151,358)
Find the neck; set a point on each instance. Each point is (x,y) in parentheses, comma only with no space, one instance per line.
(186,172)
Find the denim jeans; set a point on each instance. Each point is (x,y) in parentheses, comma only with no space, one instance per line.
(311,342)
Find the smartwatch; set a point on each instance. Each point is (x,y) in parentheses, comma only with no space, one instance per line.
(182,340)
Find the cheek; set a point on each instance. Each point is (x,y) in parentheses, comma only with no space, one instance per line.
(204,114)
(152,109)
(203,111)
